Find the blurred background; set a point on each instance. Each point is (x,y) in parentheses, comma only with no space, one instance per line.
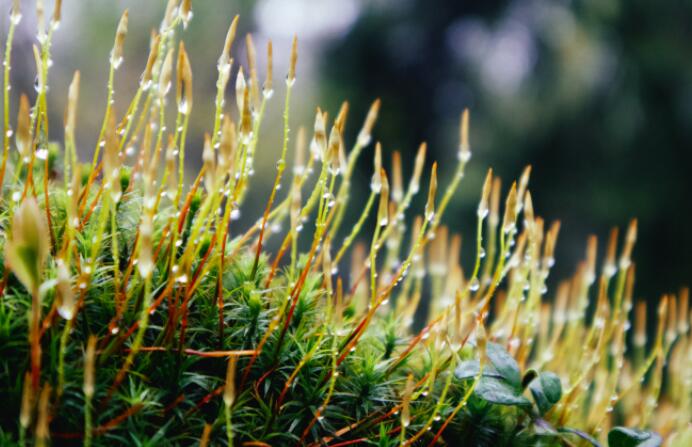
(596,95)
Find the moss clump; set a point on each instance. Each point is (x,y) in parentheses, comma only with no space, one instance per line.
(134,310)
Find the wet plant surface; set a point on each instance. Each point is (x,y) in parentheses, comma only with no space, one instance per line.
(136,310)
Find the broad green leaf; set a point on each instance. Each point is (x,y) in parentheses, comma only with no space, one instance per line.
(629,437)
(469,369)
(501,365)
(546,390)
(497,391)
(528,377)
(505,364)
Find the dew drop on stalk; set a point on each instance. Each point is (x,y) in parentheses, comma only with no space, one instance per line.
(66,311)
(609,270)
(464,156)
(482,212)
(182,279)
(474,284)
(514,343)
(15,17)
(599,323)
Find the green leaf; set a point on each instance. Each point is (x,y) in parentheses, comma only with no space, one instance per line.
(505,364)
(528,377)
(629,437)
(497,391)
(546,391)
(469,369)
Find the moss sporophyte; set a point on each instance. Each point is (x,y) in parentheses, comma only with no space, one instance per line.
(135,309)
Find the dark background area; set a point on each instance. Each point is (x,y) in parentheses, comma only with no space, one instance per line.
(595,95)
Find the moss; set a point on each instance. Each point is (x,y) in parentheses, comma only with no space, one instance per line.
(167,329)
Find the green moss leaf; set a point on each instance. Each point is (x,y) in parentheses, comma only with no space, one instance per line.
(629,437)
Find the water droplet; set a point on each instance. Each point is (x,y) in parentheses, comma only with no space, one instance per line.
(42,154)
(15,17)
(182,279)
(464,155)
(183,108)
(66,311)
